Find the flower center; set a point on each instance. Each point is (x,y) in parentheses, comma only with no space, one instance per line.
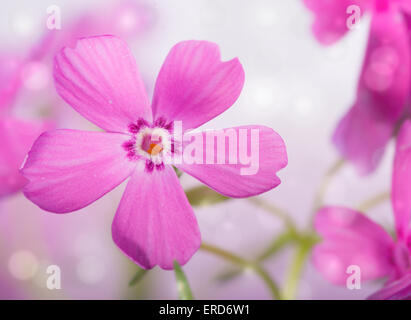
(152,144)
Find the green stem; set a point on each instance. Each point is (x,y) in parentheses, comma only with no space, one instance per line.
(301,254)
(277,244)
(291,285)
(178,172)
(374,201)
(279,212)
(138,276)
(204,196)
(245,265)
(320,194)
(184,290)
(305,241)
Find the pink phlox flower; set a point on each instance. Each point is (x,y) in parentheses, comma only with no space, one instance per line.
(383,88)
(68,170)
(352,239)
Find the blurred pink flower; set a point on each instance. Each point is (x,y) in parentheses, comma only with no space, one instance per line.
(126,18)
(16,135)
(16,138)
(32,70)
(9,79)
(396,290)
(350,238)
(383,88)
(26,88)
(67,170)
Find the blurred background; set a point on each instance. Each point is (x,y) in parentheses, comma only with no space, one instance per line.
(293,84)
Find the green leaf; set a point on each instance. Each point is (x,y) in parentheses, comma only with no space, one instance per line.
(275,246)
(278,244)
(203,196)
(229,275)
(184,291)
(178,172)
(138,276)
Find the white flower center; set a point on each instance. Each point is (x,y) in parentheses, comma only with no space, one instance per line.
(153,144)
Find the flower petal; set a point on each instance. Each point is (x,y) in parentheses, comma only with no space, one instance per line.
(401,182)
(68,169)
(396,290)
(99,78)
(350,238)
(240,177)
(16,138)
(331,17)
(10,78)
(405,7)
(194,86)
(363,148)
(381,97)
(155,224)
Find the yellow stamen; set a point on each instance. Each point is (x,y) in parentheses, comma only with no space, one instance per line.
(154,149)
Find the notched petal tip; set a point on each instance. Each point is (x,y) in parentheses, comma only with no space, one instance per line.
(253,175)
(194,85)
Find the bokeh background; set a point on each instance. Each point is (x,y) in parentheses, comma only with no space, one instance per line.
(293,84)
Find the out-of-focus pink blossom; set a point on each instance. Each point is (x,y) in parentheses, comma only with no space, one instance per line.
(67,169)
(33,71)
(350,238)
(397,290)
(26,87)
(383,88)
(9,79)
(330,22)
(127,19)
(16,138)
